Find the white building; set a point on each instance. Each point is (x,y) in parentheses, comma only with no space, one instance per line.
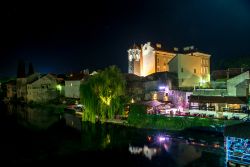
(72,85)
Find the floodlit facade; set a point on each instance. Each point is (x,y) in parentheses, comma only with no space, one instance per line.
(134,57)
(148,59)
(193,69)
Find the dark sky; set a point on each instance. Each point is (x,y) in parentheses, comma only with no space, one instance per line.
(64,37)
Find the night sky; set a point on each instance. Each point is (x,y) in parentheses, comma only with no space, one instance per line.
(65,37)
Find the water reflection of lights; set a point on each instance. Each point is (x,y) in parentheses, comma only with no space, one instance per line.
(237,151)
(166,147)
(146,151)
(149,138)
(163,138)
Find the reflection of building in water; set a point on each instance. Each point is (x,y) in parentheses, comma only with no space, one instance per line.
(146,151)
(73,121)
(237,144)
(41,118)
(184,153)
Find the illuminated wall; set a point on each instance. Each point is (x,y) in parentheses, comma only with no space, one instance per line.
(238,84)
(72,88)
(192,69)
(134,59)
(162,59)
(148,60)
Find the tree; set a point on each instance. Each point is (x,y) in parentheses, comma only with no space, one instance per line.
(102,94)
(31,69)
(21,69)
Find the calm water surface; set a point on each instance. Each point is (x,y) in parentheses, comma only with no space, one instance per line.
(40,137)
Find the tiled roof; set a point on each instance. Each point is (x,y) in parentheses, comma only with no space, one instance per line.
(75,77)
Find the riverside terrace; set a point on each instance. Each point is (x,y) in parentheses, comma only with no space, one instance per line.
(203,106)
(218,106)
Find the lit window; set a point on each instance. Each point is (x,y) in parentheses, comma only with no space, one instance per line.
(70,84)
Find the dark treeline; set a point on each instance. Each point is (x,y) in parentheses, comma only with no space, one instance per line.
(230,62)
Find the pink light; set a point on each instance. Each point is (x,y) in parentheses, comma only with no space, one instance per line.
(162,87)
(162,138)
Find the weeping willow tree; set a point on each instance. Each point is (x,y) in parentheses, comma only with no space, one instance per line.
(102,94)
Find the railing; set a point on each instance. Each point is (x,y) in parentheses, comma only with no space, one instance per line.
(210,92)
(208,108)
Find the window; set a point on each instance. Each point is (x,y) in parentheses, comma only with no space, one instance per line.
(70,84)
(181,69)
(182,80)
(195,70)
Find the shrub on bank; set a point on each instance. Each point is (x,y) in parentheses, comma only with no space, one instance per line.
(138,117)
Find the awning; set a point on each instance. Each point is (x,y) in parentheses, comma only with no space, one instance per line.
(218,99)
(153,103)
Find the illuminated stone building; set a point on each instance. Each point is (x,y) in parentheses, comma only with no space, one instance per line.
(134,57)
(148,59)
(192,68)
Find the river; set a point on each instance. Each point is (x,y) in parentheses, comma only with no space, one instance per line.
(33,136)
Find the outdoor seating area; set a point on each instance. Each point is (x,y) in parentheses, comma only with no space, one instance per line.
(168,109)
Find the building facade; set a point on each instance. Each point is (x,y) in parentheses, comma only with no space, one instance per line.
(43,89)
(11,89)
(193,69)
(134,57)
(72,85)
(148,59)
(239,85)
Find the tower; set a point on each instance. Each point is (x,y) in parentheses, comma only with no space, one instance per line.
(134,56)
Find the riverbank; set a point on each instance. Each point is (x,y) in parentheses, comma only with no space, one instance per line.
(55,108)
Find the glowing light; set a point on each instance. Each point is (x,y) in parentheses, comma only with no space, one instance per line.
(162,87)
(132,100)
(166,147)
(155,96)
(59,87)
(163,138)
(149,138)
(106,100)
(180,108)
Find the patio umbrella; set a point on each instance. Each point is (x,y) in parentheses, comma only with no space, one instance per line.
(153,103)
